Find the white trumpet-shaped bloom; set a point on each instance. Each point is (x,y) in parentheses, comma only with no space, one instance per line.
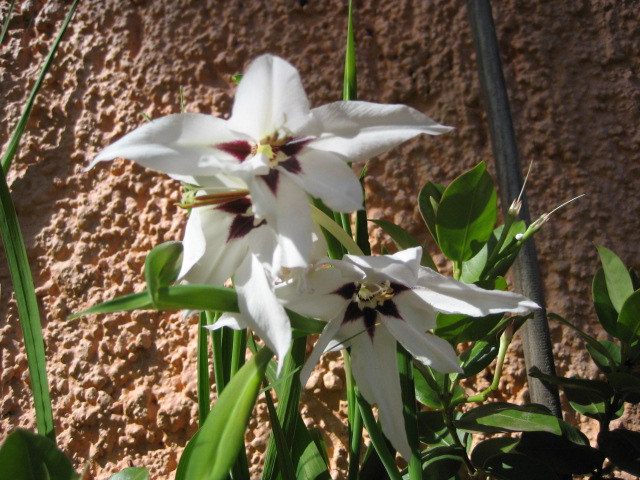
(373,302)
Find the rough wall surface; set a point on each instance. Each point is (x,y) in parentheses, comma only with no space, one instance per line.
(123,385)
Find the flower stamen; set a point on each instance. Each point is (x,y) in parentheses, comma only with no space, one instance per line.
(371,295)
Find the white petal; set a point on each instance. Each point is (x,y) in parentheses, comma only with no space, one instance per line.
(361,130)
(269,97)
(402,267)
(174,144)
(262,311)
(428,349)
(209,257)
(328,177)
(327,336)
(375,369)
(236,321)
(450,296)
(317,300)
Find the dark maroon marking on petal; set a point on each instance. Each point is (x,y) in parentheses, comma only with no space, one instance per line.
(398,287)
(352,313)
(370,317)
(293,146)
(347,291)
(291,165)
(389,309)
(240,149)
(241,226)
(271,179)
(235,207)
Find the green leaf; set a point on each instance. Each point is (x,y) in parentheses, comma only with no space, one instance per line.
(131,473)
(28,456)
(428,385)
(604,308)
(350,88)
(490,448)
(515,466)
(595,344)
(617,277)
(404,240)
(603,361)
(559,453)
(214,449)
(501,417)
(478,357)
(458,328)
(622,447)
(442,463)
(161,267)
(428,201)
(466,214)
(627,384)
(629,320)
(433,430)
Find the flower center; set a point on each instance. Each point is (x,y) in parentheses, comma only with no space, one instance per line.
(371,295)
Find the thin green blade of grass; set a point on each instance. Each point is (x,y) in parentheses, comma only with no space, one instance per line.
(27,310)
(14,142)
(7,19)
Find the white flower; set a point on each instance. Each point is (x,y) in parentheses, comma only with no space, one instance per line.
(372,302)
(279,148)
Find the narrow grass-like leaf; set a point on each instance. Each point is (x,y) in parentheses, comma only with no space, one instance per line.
(204,384)
(28,313)
(280,443)
(14,142)
(405,369)
(216,446)
(7,20)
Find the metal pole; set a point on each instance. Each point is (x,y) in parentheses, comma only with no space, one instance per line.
(526,273)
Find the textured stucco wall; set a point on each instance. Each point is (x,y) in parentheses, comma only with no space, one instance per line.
(123,385)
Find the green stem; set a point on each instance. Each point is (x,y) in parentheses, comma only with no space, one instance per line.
(448,421)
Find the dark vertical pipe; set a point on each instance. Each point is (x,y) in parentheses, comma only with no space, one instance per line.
(526,273)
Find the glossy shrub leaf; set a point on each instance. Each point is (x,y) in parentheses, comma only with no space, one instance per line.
(592,342)
(466,214)
(428,201)
(442,463)
(478,357)
(458,328)
(622,447)
(604,308)
(628,384)
(161,267)
(29,456)
(212,452)
(483,451)
(433,430)
(131,473)
(516,466)
(559,453)
(617,278)
(603,361)
(404,240)
(428,388)
(502,417)
(629,320)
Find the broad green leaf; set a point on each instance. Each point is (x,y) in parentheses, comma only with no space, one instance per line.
(617,277)
(478,357)
(466,214)
(161,267)
(515,466)
(28,456)
(622,447)
(429,388)
(442,463)
(404,240)
(628,384)
(598,388)
(559,453)
(629,320)
(490,448)
(595,344)
(433,430)
(501,417)
(131,473)
(458,328)
(604,308)
(428,200)
(602,361)
(215,448)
